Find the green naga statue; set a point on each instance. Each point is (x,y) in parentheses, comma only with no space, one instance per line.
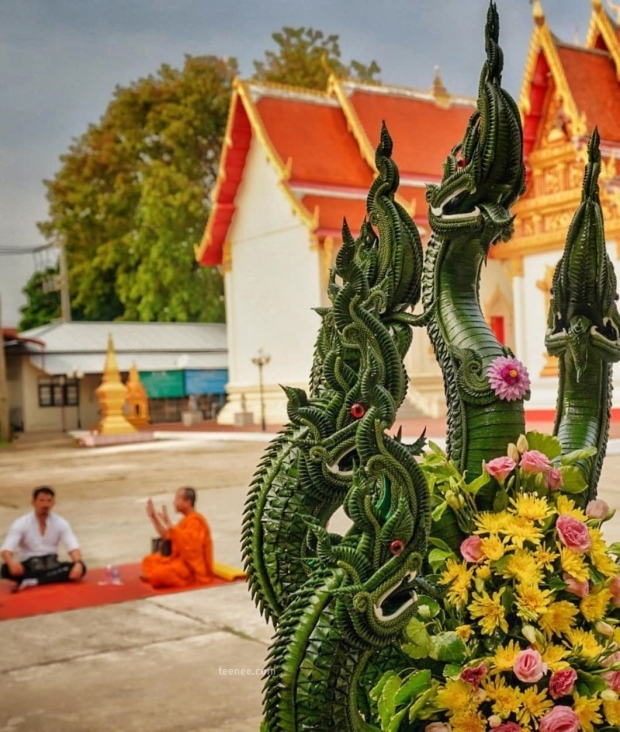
(308,469)
(468,212)
(340,603)
(584,329)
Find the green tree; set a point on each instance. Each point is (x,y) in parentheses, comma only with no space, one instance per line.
(304,57)
(43,304)
(131,198)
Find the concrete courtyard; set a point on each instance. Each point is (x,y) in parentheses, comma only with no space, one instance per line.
(153,665)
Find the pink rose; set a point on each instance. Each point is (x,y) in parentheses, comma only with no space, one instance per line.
(597,509)
(613,680)
(470,549)
(437,727)
(529,666)
(575,587)
(554,480)
(573,533)
(560,719)
(473,676)
(614,588)
(508,727)
(562,683)
(611,660)
(533,462)
(500,468)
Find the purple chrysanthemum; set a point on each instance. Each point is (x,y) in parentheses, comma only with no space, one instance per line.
(508,378)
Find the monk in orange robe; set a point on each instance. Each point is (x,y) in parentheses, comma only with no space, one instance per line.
(191,560)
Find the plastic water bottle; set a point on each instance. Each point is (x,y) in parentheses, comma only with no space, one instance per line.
(113,575)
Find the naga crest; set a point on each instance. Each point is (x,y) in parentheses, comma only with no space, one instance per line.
(485,174)
(583,316)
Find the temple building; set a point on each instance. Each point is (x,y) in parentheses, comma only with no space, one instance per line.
(295,162)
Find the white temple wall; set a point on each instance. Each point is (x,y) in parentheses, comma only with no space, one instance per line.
(271,287)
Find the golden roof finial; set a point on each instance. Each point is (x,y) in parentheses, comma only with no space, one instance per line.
(439,91)
(613,7)
(110,370)
(538,13)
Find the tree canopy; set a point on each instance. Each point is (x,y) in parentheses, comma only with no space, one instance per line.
(43,304)
(131,198)
(305,57)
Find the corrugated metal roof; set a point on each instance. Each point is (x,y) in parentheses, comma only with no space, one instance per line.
(87,337)
(92,363)
(151,346)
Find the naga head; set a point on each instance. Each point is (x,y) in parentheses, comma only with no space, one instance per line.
(485,174)
(583,315)
(381,555)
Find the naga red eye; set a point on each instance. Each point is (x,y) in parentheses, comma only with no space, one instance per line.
(461,162)
(358,411)
(396,547)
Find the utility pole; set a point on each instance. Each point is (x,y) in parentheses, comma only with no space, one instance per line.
(261,360)
(5,429)
(65,302)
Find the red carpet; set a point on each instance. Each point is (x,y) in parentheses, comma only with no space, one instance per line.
(88,593)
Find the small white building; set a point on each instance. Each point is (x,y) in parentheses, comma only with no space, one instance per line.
(53,370)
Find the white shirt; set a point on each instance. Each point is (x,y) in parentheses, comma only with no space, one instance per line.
(25,535)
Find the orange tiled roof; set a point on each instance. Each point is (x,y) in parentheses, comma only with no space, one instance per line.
(592,80)
(314,136)
(423,132)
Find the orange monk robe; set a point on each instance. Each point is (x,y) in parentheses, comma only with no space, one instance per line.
(191,560)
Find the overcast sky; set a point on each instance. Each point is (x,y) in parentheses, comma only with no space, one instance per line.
(61,59)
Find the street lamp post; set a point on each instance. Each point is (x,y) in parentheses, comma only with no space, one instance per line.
(261,360)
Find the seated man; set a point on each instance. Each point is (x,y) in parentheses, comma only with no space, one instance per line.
(36,536)
(191,558)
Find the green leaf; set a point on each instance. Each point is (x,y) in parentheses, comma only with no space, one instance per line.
(434,448)
(593,682)
(417,683)
(615,548)
(439,511)
(437,558)
(422,702)
(447,646)
(387,700)
(427,608)
(500,502)
(376,691)
(420,641)
(452,671)
(547,444)
(434,541)
(574,482)
(396,720)
(478,483)
(575,455)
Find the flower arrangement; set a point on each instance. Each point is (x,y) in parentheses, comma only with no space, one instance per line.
(524,632)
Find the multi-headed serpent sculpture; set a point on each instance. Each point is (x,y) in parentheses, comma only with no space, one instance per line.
(340,603)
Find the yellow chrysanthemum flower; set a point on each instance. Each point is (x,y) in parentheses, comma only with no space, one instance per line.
(468,722)
(566,507)
(594,606)
(558,618)
(584,643)
(455,696)
(532,602)
(490,611)
(483,573)
(505,699)
(505,656)
(464,632)
(605,563)
(490,523)
(545,557)
(587,709)
(611,710)
(554,657)
(521,530)
(574,564)
(534,704)
(530,506)
(492,548)
(522,567)
(459,577)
